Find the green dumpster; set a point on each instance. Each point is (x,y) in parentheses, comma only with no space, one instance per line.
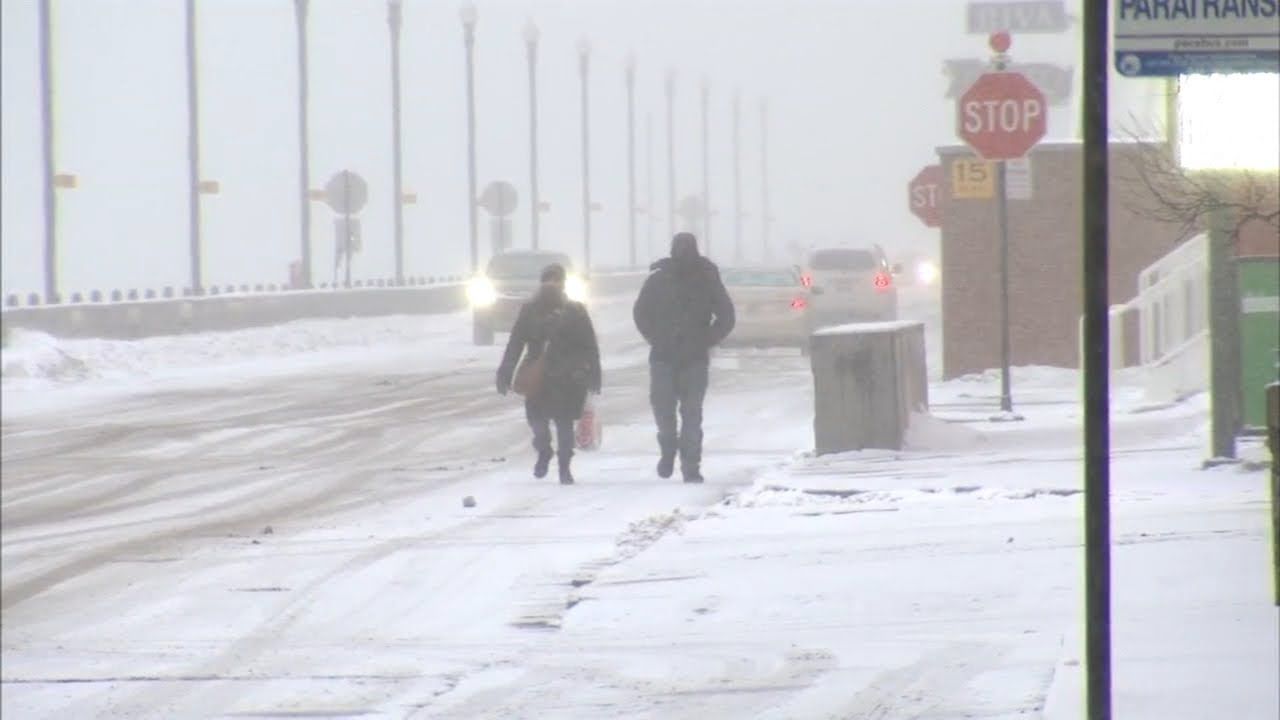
(1259,336)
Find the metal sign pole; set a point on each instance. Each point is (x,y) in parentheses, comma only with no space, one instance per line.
(1002,213)
(1097,381)
(346,222)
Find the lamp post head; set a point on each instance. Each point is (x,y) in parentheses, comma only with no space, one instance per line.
(393,13)
(584,47)
(468,14)
(629,65)
(530,33)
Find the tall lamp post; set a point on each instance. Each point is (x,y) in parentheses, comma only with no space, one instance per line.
(767,217)
(671,153)
(706,165)
(531,45)
(193,151)
(737,175)
(394,19)
(584,58)
(47,134)
(630,74)
(304,154)
(468,15)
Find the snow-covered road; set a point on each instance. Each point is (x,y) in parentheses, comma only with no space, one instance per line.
(260,533)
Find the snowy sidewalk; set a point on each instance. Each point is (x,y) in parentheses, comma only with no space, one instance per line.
(943,582)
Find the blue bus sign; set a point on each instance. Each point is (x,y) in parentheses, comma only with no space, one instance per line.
(1196,37)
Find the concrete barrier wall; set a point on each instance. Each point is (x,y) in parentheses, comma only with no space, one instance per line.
(149,318)
(868,381)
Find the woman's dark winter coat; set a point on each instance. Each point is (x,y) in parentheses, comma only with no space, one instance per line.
(552,324)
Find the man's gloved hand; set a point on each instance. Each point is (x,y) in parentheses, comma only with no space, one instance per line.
(503,385)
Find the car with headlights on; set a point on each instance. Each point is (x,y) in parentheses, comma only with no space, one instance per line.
(509,280)
(771,305)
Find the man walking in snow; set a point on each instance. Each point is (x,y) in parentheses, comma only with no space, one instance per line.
(683,311)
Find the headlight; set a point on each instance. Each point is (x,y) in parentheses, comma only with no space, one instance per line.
(575,288)
(926,272)
(481,293)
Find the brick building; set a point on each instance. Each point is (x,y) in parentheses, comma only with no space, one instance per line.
(1045,259)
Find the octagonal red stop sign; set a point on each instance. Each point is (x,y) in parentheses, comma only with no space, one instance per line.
(922,195)
(1002,115)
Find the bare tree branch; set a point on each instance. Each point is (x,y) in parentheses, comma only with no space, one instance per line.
(1160,189)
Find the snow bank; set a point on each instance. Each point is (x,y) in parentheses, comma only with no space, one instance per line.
(35,356)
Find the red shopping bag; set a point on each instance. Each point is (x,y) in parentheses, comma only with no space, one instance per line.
(587,432)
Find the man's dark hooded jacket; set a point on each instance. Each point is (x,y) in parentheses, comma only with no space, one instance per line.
(683,309)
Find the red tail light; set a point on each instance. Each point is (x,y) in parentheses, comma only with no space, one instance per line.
(883,280)
(806,280)
(799,304)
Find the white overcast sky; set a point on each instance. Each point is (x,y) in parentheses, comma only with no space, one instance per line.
(855,87)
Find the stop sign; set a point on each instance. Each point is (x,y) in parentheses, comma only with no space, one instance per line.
(1002,115)
(922,195)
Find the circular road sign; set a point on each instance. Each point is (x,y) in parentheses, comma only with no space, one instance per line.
(346,192)
(923,195)
(1002,115)
(499,198)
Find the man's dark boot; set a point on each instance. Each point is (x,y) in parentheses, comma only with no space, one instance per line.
(543,464)
(667,460)
(692,473)
(566,475)
(666,465)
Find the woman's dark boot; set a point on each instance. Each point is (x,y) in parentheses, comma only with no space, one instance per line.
(566,475)
(543,463)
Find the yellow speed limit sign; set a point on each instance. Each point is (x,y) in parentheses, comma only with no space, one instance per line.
(973,179)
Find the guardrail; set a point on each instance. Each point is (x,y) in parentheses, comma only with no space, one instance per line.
(148,318)
(1172,306)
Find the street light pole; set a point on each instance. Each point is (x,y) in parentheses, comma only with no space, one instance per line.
(584,57)
(649,204)
(671,153)
(764,180)
(631,160)
(193,152)
(394,21)
(304,154)
(50,194)
(468,14)
(737,176)
(531,43)
(706,165)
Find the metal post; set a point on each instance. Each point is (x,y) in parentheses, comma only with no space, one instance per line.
(1002,219)
(346,224)
(1097,367)
(535,209)
(394,21)
(766,216)
(649,204)
(1224,330)
(304,154)
(469,40)
(737,175)
(47,134)
(584,55)
(631,162)
(706,167)
(193,152)
(671,153)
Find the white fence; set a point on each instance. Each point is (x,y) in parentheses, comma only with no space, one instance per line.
(1172,307)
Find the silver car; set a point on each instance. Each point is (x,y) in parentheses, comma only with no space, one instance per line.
(771,306)
(849,284)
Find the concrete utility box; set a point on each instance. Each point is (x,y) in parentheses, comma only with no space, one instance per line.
(868,378)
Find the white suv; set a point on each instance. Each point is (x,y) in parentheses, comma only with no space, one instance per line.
(849,284)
